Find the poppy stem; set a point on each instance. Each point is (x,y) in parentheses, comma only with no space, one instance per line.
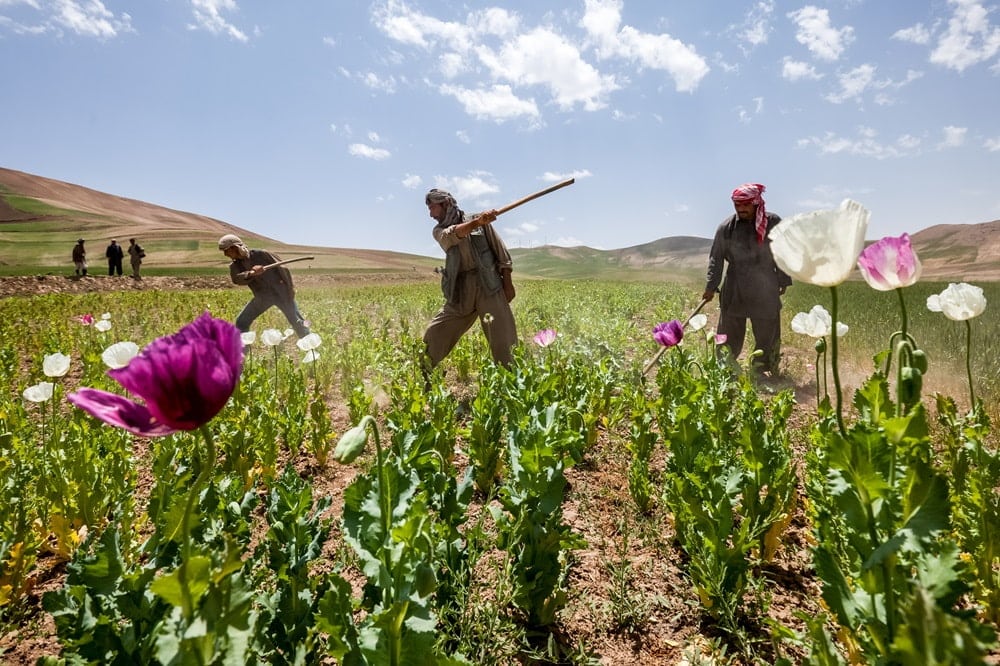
(968,364)
(834,361)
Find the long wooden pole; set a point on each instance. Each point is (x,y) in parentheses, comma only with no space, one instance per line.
(540,193)
(286,261)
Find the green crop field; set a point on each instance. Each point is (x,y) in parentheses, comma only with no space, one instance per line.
(342,507)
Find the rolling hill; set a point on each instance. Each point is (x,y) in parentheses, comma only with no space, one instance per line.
(40,219)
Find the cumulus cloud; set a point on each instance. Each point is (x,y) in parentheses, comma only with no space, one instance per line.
(756,26)
(853,83)
(816,33)
(498,103)
(954,137)
(88,18)
(865,144)
(916,34)
(992,145)
(412,181)
(796,70)
(969,39)
(555,177)
(473,187)
(368,152)
(208,15)
(602,21)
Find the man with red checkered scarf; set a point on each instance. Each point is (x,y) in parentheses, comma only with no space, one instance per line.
(753,284)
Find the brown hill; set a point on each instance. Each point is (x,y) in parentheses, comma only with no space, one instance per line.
(40,218)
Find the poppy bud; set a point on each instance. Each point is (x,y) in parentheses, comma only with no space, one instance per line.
(919,360)
(910,383)
(820,345)
(352,443)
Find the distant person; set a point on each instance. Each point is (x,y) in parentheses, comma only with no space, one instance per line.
(135,256)
(115,254)
(476,281)
(80,258)
(270,287)
(753,283)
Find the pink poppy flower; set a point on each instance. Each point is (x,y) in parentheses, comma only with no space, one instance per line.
(545,337)
(890,263)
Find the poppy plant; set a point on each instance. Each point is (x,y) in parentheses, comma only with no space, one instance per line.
(184,379)
(959,302)
(669,333)
(890,263)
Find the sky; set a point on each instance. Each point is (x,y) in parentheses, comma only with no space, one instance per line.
(325,122)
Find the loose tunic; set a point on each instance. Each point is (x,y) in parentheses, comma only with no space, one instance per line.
(752,279)
(271,288)
(473,289)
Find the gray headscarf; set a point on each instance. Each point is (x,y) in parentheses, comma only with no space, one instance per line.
(453,215)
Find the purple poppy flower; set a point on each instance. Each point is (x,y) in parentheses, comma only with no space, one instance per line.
(890,263)
(185,379)
(669,333)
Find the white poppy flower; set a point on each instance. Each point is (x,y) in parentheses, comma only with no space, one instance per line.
(821,247)
(248,338)
(104,325)
(817,323)
(309,342)
(959,301)
(40,392)
(106,315)
(288,333)
(119,354)
(310,356)
(55,365)
(698,322)
(271,337)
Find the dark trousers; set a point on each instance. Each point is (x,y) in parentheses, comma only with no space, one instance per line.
(766,334)
(260,304)
(115,267)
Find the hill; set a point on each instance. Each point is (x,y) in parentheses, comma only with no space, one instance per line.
(40,219)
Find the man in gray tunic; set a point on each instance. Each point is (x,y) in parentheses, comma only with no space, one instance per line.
(476,281)
(753,283)
(271,287)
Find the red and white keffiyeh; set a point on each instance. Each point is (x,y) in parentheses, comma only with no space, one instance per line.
(751,193)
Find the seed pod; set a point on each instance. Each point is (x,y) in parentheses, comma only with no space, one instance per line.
(910,383)
(352,443)
(820,345)
(918,359)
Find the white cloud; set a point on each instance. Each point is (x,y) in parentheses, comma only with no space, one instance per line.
(601,20)
(375,82)
(374,137)
(555,177)
(756,26)
(208,15)
(89,18)
(796,70)
(817,34)
(954,137)
(368,152)
(969,39)
(992,145)
(463,136)
(917,34)
(475,186)
(866,144)
(497,104)
(853,83)
(412,181)
(404,25)
(542,57)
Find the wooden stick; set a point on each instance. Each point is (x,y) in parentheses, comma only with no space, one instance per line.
(656,358)
(540,193)
(286,261)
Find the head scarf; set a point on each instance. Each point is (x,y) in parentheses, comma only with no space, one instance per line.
(751,193)
(454,214)
(232,240)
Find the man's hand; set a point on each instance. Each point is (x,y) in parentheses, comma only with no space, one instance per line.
(708,295)
(781,290)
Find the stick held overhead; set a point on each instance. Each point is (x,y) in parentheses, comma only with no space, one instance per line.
(530,197)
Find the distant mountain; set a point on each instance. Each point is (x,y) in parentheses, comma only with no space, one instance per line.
(41,218)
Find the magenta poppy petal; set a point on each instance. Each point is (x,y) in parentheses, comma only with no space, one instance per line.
(119,411)
(669,333)
(889,263)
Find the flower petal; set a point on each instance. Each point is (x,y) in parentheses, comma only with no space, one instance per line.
(119,411)
(821,247)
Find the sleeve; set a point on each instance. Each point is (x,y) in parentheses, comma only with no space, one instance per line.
(716,260)
(445,237)
(784,279)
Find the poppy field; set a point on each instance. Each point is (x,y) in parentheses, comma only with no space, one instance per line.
(174,492)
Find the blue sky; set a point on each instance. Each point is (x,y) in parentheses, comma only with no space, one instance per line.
(325,122)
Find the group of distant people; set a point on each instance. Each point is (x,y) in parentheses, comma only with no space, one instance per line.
(476,280)
(115,255)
